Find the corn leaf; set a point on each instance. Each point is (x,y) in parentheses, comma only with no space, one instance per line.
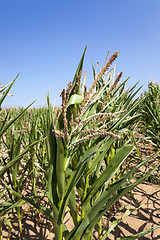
(16,159)
(107,175)
(138,235)
(75,99)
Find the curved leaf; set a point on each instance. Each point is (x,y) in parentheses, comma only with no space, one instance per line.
(138,235)
(75,99)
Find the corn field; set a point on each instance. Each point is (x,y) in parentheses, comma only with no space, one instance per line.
(75,159)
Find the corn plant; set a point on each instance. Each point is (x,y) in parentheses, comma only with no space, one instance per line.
(150,113)
(10,166)
(149,124)
(86,147)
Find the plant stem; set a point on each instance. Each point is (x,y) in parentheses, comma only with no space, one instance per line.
(1,237)
(20,222)
(85,190)
(99,229)
(61,224)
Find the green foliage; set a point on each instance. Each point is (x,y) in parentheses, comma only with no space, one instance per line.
(77,153)
(149,124)
(150,113)
(11,168)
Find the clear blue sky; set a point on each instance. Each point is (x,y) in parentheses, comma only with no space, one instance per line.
(43,40)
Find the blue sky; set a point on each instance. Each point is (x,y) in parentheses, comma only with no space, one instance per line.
(44,41)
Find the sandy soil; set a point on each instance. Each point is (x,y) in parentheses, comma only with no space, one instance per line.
(146,195)
(147,216)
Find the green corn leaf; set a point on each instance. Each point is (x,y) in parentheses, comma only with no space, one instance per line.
(19,203)
(123,118)
(93,212)
(52,153)
(6,92)
(60,165)
(72,206)
(34,203)
(104,202)
(151,112)
(2,193)
(8,124)
(23,178)
(100,154)
(52,178)
(93,215)
(75,99)
(17,158)
(131,96)
(97,211)
(116,222)
(80,66)
(138,235)
(121,86)
(42,209)
(107,175)
(130,120)
(72,198)
(133,138)
(3,88)
(76,175)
